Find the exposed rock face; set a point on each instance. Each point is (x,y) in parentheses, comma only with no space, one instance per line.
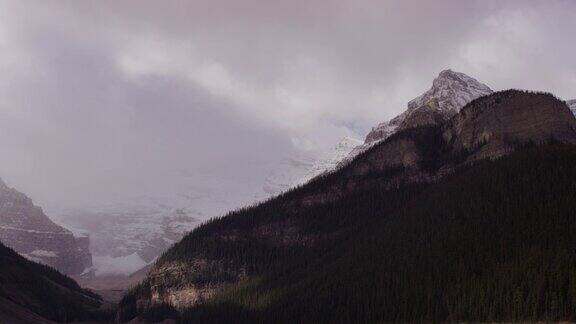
(450,92)
(25,228)
(489,127)
(188,294)
(494,125)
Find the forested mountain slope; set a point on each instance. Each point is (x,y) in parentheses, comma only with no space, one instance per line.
(484,244)
(398,234)
(43,291)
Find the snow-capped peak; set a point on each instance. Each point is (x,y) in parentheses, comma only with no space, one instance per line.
(451,91)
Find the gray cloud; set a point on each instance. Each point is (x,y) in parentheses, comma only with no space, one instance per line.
(100,100)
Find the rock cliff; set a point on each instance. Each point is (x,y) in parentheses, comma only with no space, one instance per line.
(25,228)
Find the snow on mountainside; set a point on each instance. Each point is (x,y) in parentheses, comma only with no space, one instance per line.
(302,168)
(330,160)
(125,236)
(25,228)
(283,176)
(450,92)
(572,105)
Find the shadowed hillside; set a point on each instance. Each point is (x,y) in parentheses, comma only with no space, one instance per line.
(43,291)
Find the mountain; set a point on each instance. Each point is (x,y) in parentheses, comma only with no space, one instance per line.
(25,228)
(435,220)
(35,293)
(450,92)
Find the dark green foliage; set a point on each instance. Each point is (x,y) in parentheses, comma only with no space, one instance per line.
(158,313)
(45,291)
(493,242)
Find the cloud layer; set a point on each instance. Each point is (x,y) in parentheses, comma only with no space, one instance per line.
(101,100)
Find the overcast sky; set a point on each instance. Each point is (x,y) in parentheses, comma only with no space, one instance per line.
(102,99)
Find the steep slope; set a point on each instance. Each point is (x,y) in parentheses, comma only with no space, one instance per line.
(450,92)
(16,314)
(252,247)
(25,228)
(491,243)
(38,289)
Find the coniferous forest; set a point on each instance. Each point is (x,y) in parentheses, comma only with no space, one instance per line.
(492,242)
(45,291)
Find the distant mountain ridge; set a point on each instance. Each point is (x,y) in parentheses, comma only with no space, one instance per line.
(25,228)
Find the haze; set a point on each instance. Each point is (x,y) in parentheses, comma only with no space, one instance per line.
(105,100)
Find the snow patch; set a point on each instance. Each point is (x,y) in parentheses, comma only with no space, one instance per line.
(572,105)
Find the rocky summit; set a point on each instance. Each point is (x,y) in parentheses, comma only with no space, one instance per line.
(25,228)
(450,92)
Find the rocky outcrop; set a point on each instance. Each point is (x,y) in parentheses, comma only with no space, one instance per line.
(25,228)
(495,125)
